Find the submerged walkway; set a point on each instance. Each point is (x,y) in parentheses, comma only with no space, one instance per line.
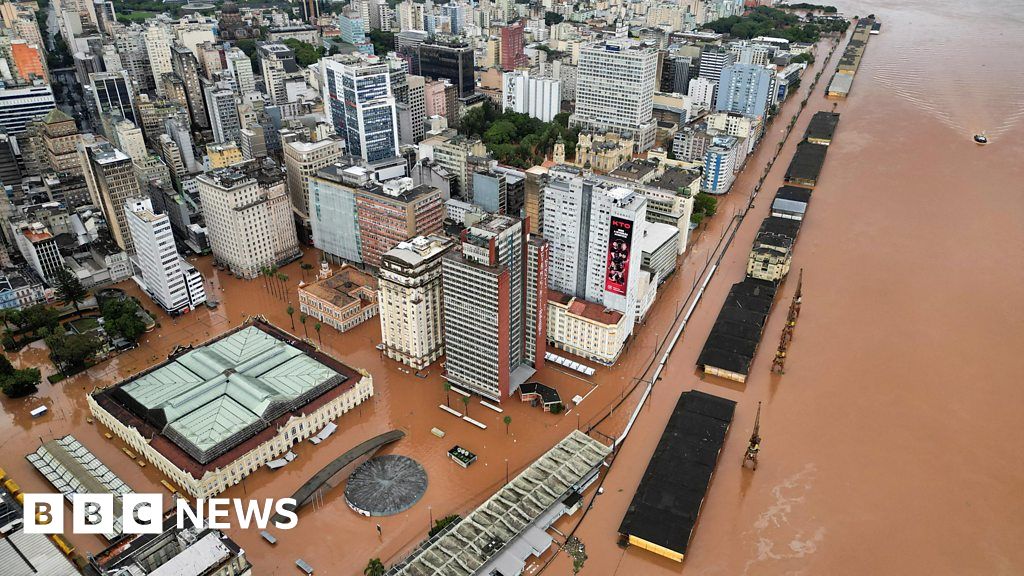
(306,491)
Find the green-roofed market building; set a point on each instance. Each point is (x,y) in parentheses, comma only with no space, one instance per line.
(211,415)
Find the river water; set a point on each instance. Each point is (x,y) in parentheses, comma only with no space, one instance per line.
(889,444)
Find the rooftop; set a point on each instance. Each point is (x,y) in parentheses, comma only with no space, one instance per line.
(668,500)
(584,309)
(343,287)
(487,530)
(823,126)
(205,406)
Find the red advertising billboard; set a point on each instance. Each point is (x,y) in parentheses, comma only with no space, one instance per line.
(620,238)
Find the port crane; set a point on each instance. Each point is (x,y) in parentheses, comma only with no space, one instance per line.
(779,363)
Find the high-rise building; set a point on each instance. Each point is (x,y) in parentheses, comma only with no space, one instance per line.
(128,138)
(719,164)
(615,83)
(185,65)
(158,48)
(358,100)
(512,55)
(353,31)
(453,155)
(595,229)
(239,67)
(223,110)
(452,61)
(302,160)
(412,114)
(712,60)
(539,97)
(162,274)
(495,295)
(112,92)
(311,11)
(248,217)
(702,92)
(22,103)
(277,63)
(111,180)
(39,248)
(410,299)
(332,211)
(60,139)
(746,89)
(393,212)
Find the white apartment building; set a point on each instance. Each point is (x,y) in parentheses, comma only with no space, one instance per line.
(615,83)
(239,67)
(410,297)
(158,261)
(129,139)
(595,229)
(248,219)
(539,97)
(223,110)
(158,47)
(702,92)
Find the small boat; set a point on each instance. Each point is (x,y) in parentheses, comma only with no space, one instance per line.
(980,139)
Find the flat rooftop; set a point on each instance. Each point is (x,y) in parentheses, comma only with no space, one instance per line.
(510,512)
(823,125)
(206,406)
(807,162)
(341,288)
(668,500)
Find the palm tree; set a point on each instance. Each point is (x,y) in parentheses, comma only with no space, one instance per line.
(284,284)
(317,327)
(302,318)
(291,315)
(465,402)
(374,568)
(263,272)
(447,389)
(507,420)
(306,267)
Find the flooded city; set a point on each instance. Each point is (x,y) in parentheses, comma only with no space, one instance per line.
(888,443)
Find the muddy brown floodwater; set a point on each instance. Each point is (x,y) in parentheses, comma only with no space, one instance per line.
(889,444)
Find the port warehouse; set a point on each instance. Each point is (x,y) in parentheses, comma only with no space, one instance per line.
(667,503)
(842,81)
(732,343)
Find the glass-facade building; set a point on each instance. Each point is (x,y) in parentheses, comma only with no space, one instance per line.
(361,105)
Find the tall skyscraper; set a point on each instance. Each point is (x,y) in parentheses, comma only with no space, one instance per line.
(539,97)
(712,60)
(358,100)
(239,67)
(277,63)
(409,299)
(595,229)
(112,92)
(746,89)
(512,55)
(311,10)
(452,61)
(111,181)
(223,110)
(20,104)
(615,84)
(158,48)
(332,211)
(495,306)
(174,287)
(185,65)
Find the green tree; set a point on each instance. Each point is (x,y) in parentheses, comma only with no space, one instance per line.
(302,319)
(306,267)
(551,18)
(38,316)
(577,551)
(704,206)
(447,389)
(374,568)
(305,54)
(283,279)
(19,383)
(383,42)
(507,420)
(72,351)
(465,402)
(317,327)
(291,315)
(121,318)
(442,523)
(69,289)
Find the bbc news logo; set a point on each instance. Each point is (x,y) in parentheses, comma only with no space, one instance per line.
(144,513)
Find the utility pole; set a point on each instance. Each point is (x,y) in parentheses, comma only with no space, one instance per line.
(754,446)
(779,363)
